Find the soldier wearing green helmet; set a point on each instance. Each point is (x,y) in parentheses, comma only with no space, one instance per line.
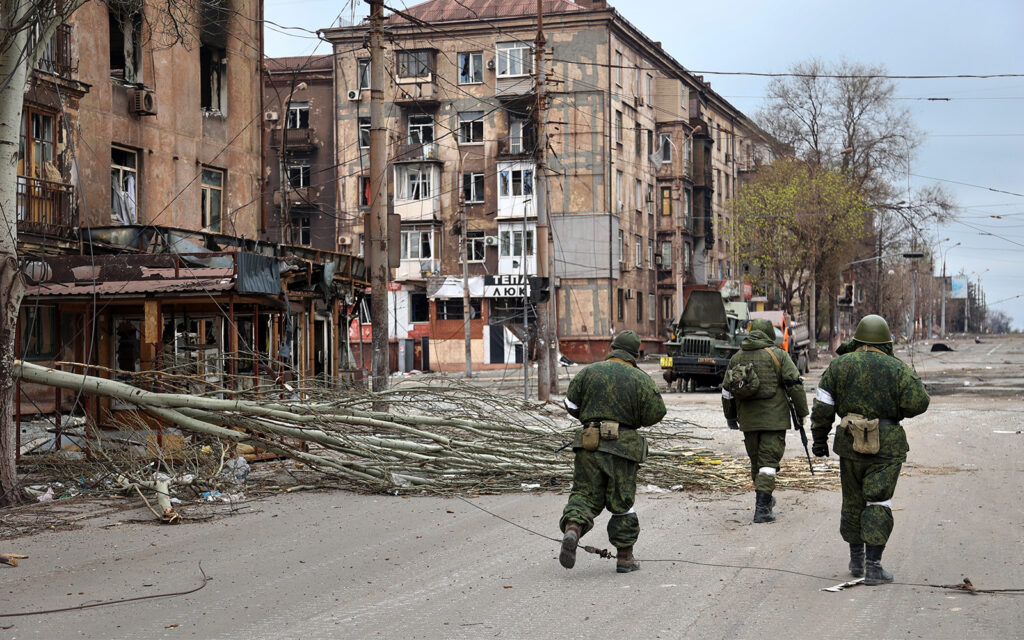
(872,391)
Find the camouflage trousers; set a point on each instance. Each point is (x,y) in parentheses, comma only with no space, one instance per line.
(866,483)
(604,481)
(765,449)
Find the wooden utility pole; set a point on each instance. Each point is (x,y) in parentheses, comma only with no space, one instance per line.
(545,335)
(375,224)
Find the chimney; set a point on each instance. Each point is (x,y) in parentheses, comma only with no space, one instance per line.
(593,4)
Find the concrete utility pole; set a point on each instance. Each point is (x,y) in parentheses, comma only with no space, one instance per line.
(466,307)
(545,336)
(375,224)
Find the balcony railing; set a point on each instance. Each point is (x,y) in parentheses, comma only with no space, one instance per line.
(46,208)
(294,139)
(417,151)
(523,145)
(56,55)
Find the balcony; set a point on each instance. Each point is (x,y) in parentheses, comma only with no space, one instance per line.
(418,152)
(517,146)
(56,57)
(420,93)
(297,196)
(294,139)
(46,208)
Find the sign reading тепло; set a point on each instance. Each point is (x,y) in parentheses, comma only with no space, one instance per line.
(506,286)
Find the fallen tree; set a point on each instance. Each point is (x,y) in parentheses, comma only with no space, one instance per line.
(444,437)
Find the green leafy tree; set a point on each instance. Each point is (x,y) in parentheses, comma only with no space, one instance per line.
(795,221)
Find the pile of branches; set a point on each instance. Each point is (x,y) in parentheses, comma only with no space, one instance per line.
(442,437)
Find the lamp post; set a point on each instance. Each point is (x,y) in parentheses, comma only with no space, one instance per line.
(967,300)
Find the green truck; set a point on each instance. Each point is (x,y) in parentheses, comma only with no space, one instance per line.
(702,342)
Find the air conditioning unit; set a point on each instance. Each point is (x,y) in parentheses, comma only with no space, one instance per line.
(491,241)
(638,101)
(143,102)
(344,241)
(354,95)
(490,64)
(270,116)
(657,259)
(621,205)
(728,158)
(629,294)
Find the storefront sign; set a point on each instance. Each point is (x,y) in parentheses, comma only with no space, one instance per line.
(506,286)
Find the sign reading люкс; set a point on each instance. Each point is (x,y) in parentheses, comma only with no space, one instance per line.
(506,286)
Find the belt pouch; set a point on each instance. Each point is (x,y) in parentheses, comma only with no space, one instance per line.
(591,437)
(609,430)
(864,432)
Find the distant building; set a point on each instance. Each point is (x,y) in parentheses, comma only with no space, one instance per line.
(635,156)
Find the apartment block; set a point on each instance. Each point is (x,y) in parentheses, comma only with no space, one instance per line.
(630,150)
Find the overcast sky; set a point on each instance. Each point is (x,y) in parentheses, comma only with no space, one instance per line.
(975,138)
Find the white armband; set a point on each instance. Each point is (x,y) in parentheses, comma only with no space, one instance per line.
(824,397)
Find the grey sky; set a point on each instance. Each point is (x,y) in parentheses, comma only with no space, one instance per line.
(977,137)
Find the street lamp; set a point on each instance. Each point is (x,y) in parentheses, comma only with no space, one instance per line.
(967,300)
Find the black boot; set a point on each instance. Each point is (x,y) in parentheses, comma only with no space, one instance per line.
(763,507)
(625,562)
(857,560)
(873,571)
(567,557)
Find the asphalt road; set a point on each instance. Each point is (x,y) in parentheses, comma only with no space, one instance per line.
(339,565)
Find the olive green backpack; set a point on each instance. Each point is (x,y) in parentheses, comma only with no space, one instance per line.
(741,380)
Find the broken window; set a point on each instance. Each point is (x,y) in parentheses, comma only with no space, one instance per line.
(417,245)
(125,25)
(213,88)
(471,127)
(38,332)
(213,198)
(419,307)
(473,187)
(414,64)
(421,129)
(298,115)
(364,191)
(414,182)
(476,245)
(123,185)
(364,74)
(451,308)
(301,228)
(298,176)
(36,146)
(515,182)
(471,67)
(364,133)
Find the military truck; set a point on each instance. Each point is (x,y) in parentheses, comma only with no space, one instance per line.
(795,336)
(701,343)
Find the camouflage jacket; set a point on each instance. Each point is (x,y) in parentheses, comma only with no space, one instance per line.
(875,385)
(766,414)
(616,389)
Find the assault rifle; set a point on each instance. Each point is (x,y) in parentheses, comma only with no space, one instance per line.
(803,434)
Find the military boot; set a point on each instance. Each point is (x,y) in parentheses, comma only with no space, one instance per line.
(763,506)
(624,560)
(857,560)
(873,571)
(567,557)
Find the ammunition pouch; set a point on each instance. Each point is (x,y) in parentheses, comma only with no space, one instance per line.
(609,430)
(591,437)
(863,431)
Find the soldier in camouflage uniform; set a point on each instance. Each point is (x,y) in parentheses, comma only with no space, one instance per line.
(612,390)
(872,382)
(764,418)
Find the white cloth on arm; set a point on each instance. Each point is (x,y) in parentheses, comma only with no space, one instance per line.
(726,395)
(768,471)
(569,404)
(824,397)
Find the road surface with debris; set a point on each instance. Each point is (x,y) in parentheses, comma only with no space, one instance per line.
(339,565)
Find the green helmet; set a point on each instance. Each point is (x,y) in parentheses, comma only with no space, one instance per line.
(873,330)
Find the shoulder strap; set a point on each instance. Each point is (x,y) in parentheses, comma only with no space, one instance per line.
(625,362)
(867,347)
(778,365)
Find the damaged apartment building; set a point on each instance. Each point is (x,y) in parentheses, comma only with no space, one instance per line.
(642,157)
(140,218)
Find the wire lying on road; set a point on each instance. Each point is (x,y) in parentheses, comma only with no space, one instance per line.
(966,585)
